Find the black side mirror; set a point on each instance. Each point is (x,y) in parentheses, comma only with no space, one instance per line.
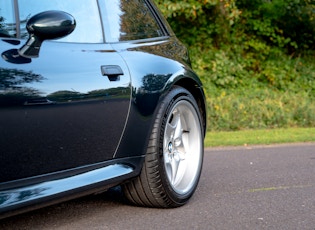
(45,26)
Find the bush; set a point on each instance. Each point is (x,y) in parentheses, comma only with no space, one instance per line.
(255,59)
(260,108)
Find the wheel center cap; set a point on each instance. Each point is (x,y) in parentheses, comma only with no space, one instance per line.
(170,147)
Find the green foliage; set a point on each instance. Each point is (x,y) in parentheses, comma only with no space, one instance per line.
(260,108)
(197,21)
(218,68)
(254,57)
(243,94)
(282,23)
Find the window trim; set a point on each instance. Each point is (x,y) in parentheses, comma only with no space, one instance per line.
(101,19)
(155,15)
(17,19)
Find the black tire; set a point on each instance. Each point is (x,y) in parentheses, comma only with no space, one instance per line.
(171,149)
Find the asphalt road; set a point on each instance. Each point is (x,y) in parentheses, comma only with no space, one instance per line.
(267,187)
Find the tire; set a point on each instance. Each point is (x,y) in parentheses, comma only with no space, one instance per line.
(173,162)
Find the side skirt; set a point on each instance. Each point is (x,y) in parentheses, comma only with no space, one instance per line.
(29,197)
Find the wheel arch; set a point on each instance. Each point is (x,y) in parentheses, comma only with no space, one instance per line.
(142,116)
(195,88)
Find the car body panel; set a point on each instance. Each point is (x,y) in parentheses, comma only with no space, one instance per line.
(59,105)
(150,82)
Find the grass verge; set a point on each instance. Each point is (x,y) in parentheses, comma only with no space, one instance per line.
(258,137)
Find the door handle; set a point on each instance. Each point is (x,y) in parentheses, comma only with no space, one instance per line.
(112,72)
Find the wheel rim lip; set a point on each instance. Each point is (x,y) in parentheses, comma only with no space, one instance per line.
(190,167)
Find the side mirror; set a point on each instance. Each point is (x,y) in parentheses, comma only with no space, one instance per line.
(46,26)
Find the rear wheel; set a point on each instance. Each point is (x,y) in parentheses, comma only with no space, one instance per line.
(173,161)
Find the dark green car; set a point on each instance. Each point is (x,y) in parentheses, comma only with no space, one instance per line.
(95,94)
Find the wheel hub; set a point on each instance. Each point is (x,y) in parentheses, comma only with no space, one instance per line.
(170,147)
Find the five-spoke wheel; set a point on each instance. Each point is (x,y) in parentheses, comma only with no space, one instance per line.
(182,146)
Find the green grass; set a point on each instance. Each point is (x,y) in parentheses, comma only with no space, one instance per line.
(260,137)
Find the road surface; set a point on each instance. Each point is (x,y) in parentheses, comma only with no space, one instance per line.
(261,187)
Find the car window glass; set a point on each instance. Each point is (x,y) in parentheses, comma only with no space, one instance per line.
(130,20)
(7,22)
(88,26)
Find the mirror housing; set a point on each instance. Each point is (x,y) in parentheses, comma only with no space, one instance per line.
(47,25)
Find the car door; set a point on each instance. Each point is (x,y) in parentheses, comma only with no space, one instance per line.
(66,108)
